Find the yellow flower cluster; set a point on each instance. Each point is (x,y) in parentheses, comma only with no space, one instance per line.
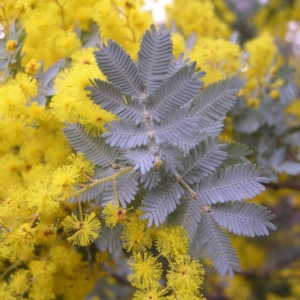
(71,102)
(217,57)
(285,12)
(199,17)
(122,21)
(185,275)
(260,66)
(34,152)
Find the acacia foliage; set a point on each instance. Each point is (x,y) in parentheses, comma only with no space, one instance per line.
(39,177)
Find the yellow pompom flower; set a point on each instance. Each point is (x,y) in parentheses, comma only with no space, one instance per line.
(66,43)
(45,233)
(113,214)
(155,292)
(63,180)
(84,56)
(32,67)
(19,281)
(85,232)
(185,274)
(274,94)
(172,241)
(137,237)
(13,101)
(94,118)
(82,165)
(146,270)
(20,7)
(11,45)
(5,290)
(253,102)
(28,85)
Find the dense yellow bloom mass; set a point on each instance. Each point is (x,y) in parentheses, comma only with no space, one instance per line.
(71,102)
(199,17)
(122,21)
(261,64)
(219,58)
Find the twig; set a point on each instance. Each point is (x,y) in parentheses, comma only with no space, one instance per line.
(283,185)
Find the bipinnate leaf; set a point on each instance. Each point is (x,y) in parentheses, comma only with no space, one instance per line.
(176,125)
(110,238)
(93,148)
(161,201)
(241,218)
(232,184)
(188,215)
(214,102)
(171,156)
(125,134)
(236,154)
(217,245)
(203,160)
(174,92)
(151,179)
(119,68)
(126,186)
(177,64)
(112,99)
(154,57)
(141,158)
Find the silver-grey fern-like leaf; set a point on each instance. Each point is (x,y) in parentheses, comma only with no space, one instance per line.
(125,134)
(110,238)
(177,64)
(154,57)
(151,179)
(95,149)
(232,184)
(141,158)
(214,129)
(171,157)
(161,201)
(238,151)
(214,102)
(217,245)
(188,215)
(190,141)
(174,92)
(119,68)
(203,160)
(236,154)
(241,218)
(126,186)
(112,99)
(177,124)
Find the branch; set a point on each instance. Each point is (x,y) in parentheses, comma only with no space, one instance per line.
(96,182)
(282,185)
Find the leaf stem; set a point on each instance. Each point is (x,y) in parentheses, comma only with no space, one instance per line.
(80,209)
(106,179)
